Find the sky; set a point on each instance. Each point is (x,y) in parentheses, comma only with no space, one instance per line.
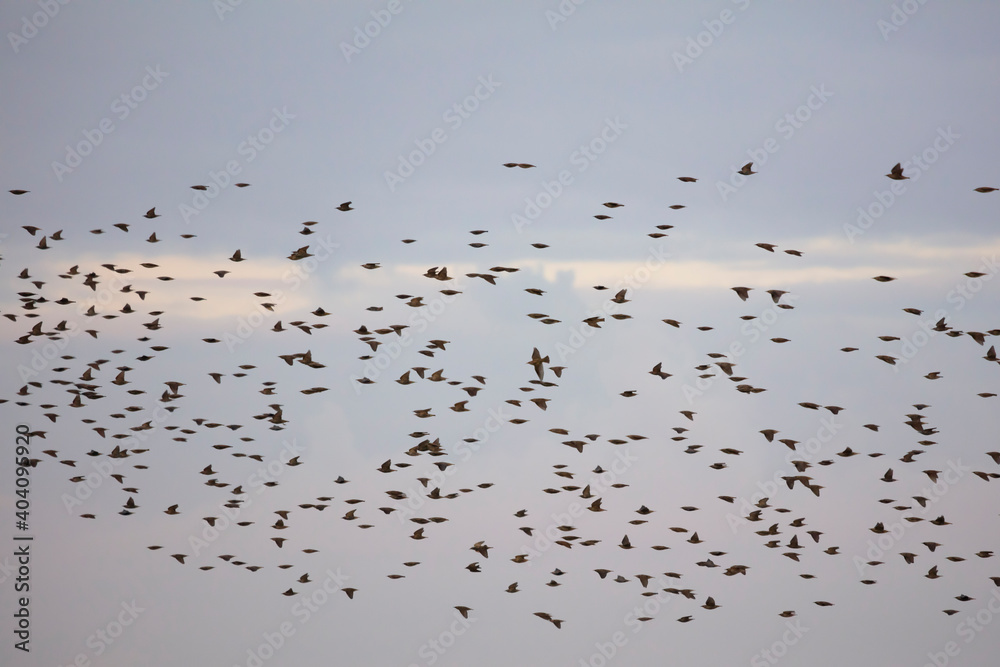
(409,111)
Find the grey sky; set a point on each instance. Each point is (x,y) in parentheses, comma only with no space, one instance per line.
(112,108)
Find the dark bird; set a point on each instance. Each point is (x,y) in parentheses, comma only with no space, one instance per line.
(896,173)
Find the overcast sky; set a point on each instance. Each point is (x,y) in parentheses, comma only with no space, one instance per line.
(409,110)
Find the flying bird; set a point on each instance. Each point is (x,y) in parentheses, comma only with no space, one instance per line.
(896,173)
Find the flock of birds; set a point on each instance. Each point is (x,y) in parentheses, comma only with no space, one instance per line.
(79,387)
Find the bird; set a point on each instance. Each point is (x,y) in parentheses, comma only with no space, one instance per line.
(112,377)
(658,371)
(776,294)
(537,361)
(742,292)
(620,297)
(896,173)
(548,617)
